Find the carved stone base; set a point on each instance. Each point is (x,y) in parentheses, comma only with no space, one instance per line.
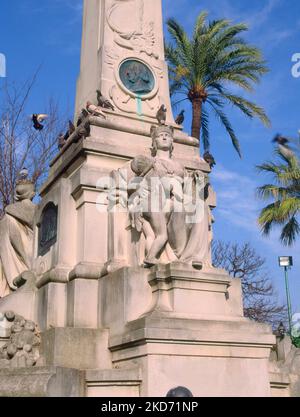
(209,357)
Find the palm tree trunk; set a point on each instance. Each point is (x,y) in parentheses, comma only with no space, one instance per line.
(197,117)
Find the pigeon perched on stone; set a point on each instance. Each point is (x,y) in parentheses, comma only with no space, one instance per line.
(103,101)
(209,159)
(71,128)
(280,140)
(161,115)
(94,110)
(180,118)
(61,140)
(23,175)
(84,113)
(37,120)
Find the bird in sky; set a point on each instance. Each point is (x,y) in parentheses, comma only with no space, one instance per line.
(180,118)
(284,146)
(161,115)
(280,140)
(37,120)
(103,101)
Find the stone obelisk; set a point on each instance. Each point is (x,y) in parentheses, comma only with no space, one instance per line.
(115,32)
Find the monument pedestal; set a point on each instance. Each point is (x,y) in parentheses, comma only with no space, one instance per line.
(191,334)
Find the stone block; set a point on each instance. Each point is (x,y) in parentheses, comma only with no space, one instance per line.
(124,296)
(113,383)
(41,382)
(209,357)
(82,310)
(51,305)
(76,348)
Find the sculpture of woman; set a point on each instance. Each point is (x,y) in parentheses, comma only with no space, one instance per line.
(161,206)
(16,237)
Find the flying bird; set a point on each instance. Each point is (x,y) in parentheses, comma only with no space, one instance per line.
(209,159)
(180,118)
(283,146)
(94,110)
(37,120)
(103,101)
(23,175)
(280,140)
(161,115)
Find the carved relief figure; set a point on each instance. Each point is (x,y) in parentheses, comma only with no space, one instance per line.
(137,77)
(162,205)
(16,236)
(135,35)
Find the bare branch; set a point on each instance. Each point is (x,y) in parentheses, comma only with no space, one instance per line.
(21,145)
(242,261)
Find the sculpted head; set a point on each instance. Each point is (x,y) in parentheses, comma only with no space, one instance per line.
(162,139)
(25,190)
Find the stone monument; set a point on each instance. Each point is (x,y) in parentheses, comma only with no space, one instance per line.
(115,289)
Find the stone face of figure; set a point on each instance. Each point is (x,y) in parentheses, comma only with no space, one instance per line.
(16,237)
(164,141)
(159,209)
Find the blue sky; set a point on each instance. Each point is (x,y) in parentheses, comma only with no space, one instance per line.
(48,34)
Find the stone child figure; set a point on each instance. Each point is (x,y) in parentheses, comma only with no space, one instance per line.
(16,236)
(160,205)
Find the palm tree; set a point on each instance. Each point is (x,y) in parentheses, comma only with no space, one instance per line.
(205,66)
(285,193)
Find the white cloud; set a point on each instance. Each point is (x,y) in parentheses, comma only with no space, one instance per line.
(236,198)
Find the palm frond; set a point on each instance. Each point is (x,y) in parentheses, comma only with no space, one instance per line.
(290,232)
(214,57)
(248,108)
(226,123)
(268,191)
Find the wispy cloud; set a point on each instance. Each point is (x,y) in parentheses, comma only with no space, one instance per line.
(236,198)
(259,18)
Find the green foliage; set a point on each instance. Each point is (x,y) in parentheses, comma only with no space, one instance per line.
(296,341)
(206,65)
(285,193)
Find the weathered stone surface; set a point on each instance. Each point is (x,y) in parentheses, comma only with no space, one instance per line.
(41,382)
(22,347)
(16,231)
(76,348)
(113,383)
(284,368)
